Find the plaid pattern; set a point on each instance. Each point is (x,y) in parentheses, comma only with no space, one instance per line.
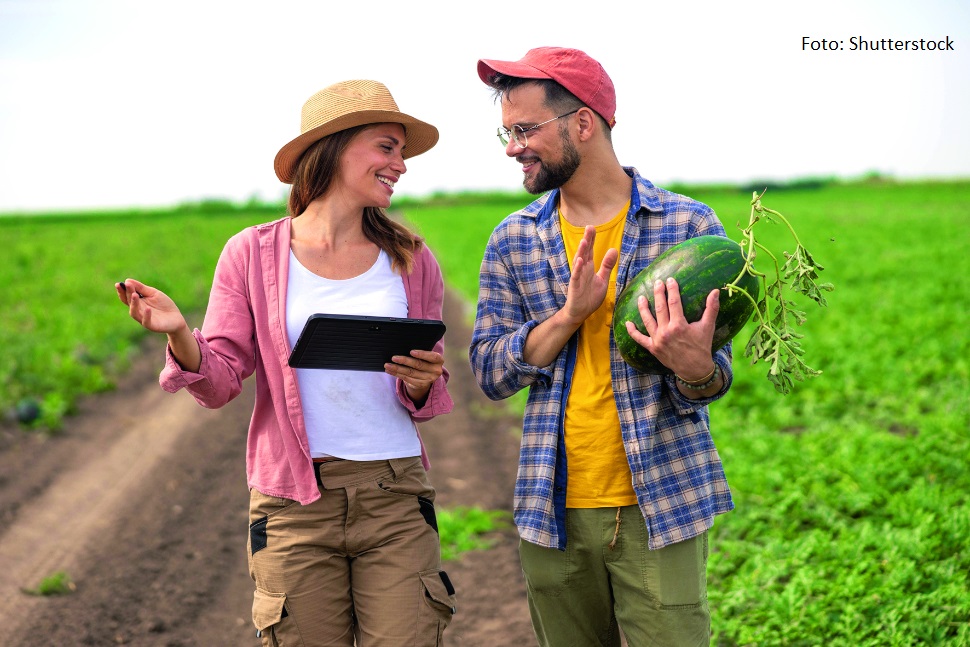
(677,473)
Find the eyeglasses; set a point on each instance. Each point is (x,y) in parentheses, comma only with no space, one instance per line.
(518,133)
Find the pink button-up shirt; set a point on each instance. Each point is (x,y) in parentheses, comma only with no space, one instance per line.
(245,332)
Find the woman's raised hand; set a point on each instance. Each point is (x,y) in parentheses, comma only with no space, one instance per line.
(152,308)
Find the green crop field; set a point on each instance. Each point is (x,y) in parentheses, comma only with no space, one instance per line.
(64,332)
(852,514)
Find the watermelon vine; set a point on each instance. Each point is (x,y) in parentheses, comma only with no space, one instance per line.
(775,339)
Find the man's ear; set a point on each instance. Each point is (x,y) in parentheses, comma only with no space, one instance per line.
(587,123)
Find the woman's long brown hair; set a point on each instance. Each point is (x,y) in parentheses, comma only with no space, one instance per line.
(312,178)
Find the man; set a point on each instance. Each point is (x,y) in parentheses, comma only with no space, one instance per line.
(619,480)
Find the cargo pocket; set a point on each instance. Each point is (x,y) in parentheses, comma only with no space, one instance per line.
(440,606)
(268,610)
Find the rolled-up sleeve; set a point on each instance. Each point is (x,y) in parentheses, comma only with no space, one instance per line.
(227,341)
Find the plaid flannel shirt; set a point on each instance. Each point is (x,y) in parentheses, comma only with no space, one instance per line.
(677,473)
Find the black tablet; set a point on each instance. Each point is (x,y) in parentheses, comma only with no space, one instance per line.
(361,343)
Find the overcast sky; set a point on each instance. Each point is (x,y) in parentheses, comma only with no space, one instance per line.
(119,103)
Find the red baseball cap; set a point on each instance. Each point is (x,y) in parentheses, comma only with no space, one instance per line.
(570,68)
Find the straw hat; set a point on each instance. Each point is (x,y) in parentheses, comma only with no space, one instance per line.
(345,105)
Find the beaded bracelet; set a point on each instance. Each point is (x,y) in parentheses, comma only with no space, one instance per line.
(702,384)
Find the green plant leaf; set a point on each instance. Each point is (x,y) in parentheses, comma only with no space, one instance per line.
(775,339)
(58,583)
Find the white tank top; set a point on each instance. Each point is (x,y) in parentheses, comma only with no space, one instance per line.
(350,414)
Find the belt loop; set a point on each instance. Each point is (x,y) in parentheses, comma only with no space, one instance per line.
(399,466)
(316,475)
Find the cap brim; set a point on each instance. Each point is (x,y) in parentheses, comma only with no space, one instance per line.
(420,137)
(488,68)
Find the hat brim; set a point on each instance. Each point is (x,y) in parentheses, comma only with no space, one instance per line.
(420,137)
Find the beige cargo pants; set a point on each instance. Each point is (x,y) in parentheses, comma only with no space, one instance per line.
(361,565)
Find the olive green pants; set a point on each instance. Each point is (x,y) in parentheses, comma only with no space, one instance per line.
(584,596)
(361,565)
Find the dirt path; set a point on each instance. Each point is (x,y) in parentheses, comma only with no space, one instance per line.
(142,501)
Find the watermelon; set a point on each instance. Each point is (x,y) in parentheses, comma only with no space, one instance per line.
(699,265)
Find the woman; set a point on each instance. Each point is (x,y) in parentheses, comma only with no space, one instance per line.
(343,541)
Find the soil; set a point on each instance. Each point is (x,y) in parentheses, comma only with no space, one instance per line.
(142,500)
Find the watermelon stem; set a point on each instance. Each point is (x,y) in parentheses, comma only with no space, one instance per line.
(774,338)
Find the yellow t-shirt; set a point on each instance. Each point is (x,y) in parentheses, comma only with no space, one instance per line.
(598,472)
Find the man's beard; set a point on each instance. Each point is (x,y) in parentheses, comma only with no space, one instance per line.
(554,175)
